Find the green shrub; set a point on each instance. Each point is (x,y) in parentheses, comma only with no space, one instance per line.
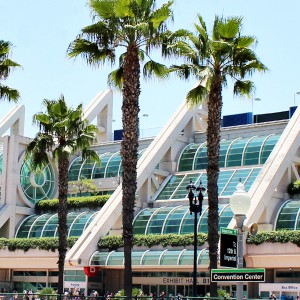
(91,202)
(114,242)
(49,244)
(294,188)
(279,236)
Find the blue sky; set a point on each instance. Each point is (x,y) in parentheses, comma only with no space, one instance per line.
(42,30)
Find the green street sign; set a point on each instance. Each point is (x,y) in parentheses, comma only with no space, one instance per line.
(238,275)
(229,231)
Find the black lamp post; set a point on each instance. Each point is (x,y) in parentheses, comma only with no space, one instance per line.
(196,200)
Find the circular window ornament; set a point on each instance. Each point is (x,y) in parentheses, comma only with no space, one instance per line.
(37,184)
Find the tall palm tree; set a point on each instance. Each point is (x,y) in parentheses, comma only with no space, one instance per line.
(138,27)
(6,65)
(212,60)
(62,133)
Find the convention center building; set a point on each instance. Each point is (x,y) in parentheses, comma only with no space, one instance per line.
(262,151)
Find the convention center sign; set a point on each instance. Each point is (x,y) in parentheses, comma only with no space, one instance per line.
(238,275)
(228,248)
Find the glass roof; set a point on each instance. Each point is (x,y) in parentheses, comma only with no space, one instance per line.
(38,226)
(175,188)
(176,220)
(37,185)
(289,216)
(151,257)
(110,167)
(233,153)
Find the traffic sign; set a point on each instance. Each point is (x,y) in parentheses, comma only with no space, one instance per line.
(238,275)
(228,248)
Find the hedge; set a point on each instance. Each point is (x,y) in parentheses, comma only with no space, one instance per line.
(92,202)
(25,244)
(175,240)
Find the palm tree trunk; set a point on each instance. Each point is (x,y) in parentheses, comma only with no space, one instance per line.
(129,154)
(213,151)
(63,166)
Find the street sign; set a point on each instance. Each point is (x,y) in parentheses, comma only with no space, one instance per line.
(238,275)
(228,248)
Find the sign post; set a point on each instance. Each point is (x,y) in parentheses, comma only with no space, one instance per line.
(228,248)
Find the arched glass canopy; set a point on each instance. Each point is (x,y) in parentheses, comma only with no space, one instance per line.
(39,226)
(289,216)
(175,188)
(110,167)
(37,185)
(176,220)
(151,258)
(233,153)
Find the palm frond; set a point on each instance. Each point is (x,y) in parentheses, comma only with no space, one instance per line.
(243,87)
(154,68)
(9,94)
(116,78)
(197,95)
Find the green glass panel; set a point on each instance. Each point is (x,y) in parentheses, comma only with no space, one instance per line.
(268,147)
(156,222)
(37,185)
(50,226)
(235,153)
(287,215)
(74,275)
(141,221)
(169,188)
(224,177)
(86,169)
(204,258)
(251,178)
(74,169)
(187,223)
(224,144)
(25,227)
(170,258)
(136,257)
(113,166)
(99,170)
(252,151)
(174,220)
(202,222)
(99,258)
(201,158)
(38,225)
(79,224)
(116,259)
(181,192)
(234,180)
(151,258)
(225,216)
(187,158)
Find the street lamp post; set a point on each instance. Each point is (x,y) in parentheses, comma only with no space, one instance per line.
(195,200)
(239,203)
(252,102)
(295,93)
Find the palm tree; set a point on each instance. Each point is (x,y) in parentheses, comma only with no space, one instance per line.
(138,27)
(6,65)
(62,133)
(226,53)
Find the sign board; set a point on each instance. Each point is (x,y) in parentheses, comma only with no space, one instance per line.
(238,275)
(170,280)
(228,248)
